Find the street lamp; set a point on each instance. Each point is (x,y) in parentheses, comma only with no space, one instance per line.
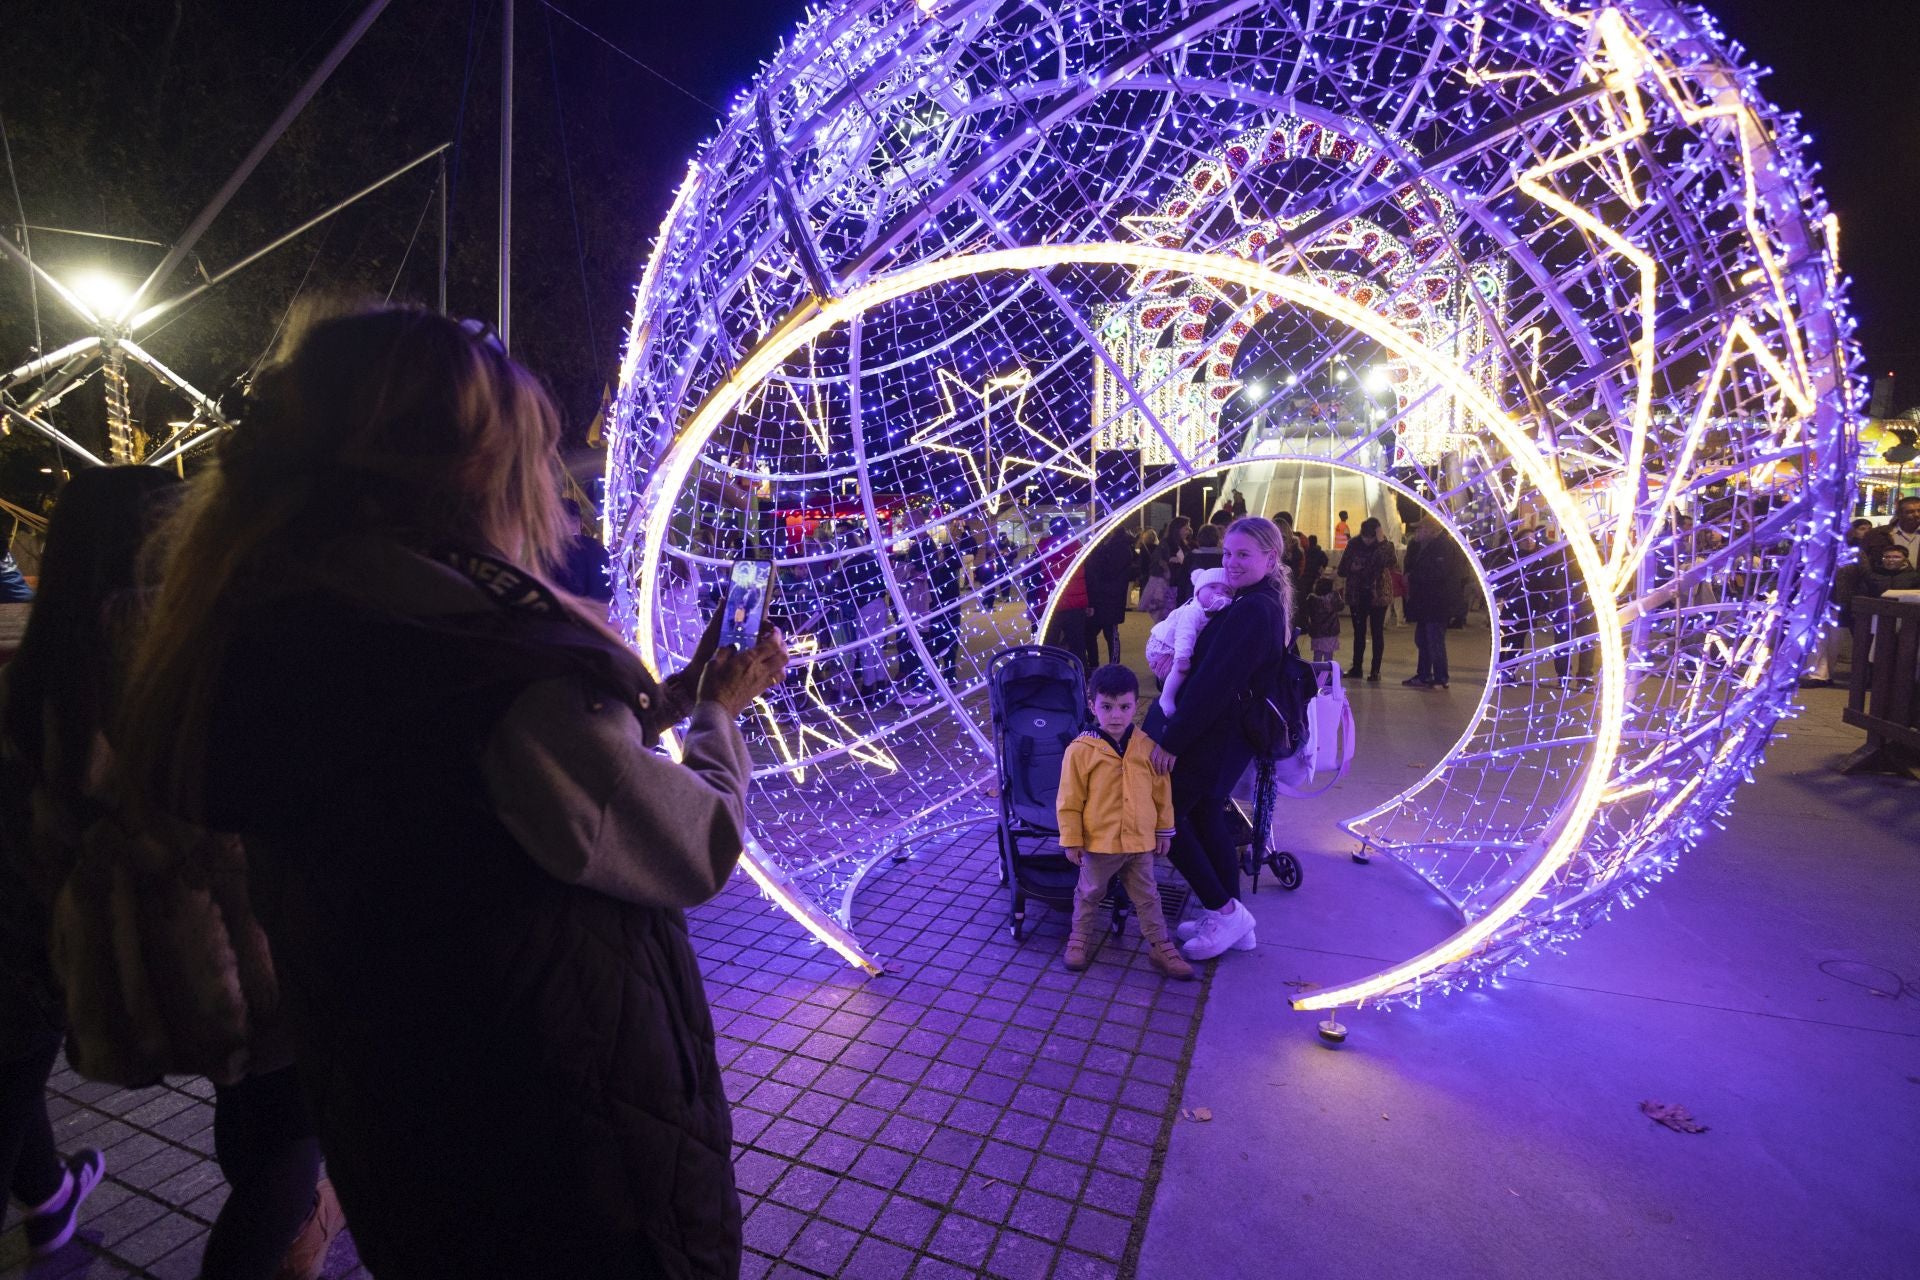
(107,295)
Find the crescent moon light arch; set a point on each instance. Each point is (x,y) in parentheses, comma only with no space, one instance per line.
(1670,391)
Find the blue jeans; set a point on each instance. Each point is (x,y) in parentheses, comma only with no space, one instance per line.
(1431,639)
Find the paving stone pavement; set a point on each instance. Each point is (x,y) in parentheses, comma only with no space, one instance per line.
(975,1111)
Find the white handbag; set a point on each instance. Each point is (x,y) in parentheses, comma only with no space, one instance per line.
(1330,739)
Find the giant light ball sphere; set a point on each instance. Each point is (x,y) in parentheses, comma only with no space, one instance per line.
(957,270)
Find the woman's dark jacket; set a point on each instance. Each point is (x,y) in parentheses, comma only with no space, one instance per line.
(1361,564)
(1242,641)
(1109,572)
(1435,570)
(1175,559)
(511,1074)
(31,1011)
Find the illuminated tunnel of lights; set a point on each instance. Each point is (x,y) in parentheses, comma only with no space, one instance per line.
(958,272)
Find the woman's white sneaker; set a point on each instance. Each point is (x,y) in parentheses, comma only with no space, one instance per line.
(1218,931)
(1187,928)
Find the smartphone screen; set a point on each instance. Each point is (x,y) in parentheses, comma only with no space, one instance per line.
(746,603)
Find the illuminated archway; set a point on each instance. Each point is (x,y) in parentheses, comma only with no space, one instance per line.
(877,300)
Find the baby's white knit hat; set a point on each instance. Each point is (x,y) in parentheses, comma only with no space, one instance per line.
(1208,578)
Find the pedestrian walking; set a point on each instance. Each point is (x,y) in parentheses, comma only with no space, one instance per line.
(1436,568)
(1109,574)
(1367,566)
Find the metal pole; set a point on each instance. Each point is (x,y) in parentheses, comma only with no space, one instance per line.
(159,309)
(59,290)
(443,233)
(50,432)
(180,446)
(199,225)
(52,360)
(119,409)
(504,323)
(200,399)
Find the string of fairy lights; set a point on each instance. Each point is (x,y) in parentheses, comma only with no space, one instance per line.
(960,287)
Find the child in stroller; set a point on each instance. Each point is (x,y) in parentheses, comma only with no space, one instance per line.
(1115,817)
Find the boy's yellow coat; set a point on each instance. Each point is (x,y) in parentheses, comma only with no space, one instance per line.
(1110,805)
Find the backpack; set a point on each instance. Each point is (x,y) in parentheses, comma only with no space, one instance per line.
(1275,711)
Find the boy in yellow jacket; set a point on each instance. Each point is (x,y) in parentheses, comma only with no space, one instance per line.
(1115,815)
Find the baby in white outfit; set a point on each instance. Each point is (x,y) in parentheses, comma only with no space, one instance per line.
(1175,637)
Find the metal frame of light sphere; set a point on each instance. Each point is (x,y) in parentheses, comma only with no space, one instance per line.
(967,270)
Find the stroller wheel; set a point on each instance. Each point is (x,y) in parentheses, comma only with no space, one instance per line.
(1286,869)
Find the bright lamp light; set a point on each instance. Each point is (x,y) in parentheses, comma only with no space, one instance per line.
(106,294)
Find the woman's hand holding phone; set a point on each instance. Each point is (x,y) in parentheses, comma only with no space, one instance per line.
(734,678)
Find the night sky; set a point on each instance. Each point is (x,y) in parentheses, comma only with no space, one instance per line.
(1850,67)
(122,120)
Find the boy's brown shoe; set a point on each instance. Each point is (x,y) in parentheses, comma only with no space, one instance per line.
(1079,954)
(1165,957)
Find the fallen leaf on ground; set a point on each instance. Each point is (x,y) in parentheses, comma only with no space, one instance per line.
(1301,984)
(1678,1119)
(1385,1116)
(1200,1115)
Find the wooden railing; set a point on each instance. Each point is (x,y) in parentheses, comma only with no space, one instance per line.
(1883,698)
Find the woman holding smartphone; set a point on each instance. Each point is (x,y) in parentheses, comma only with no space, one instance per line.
(468,857)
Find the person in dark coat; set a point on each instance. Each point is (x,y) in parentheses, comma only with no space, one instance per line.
(585,568)
(1365,565)
(1202,745)
(1892,572)
(1109,574)
(1560,601)
(56,700)
(1206,553)
(1436,568)
(469,861)
(945,569)
(1314,565)
(1175,554)
(1902,531)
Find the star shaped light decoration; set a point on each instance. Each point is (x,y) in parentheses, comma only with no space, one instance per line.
(995,391)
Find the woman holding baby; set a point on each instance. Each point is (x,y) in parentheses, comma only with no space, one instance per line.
(1199,739)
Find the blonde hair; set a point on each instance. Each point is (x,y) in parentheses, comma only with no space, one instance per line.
(391,421)
(1268,537)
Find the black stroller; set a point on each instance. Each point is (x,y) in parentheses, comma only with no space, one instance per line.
(1039,699)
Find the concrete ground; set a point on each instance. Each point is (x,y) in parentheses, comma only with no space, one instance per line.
(1771,986)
